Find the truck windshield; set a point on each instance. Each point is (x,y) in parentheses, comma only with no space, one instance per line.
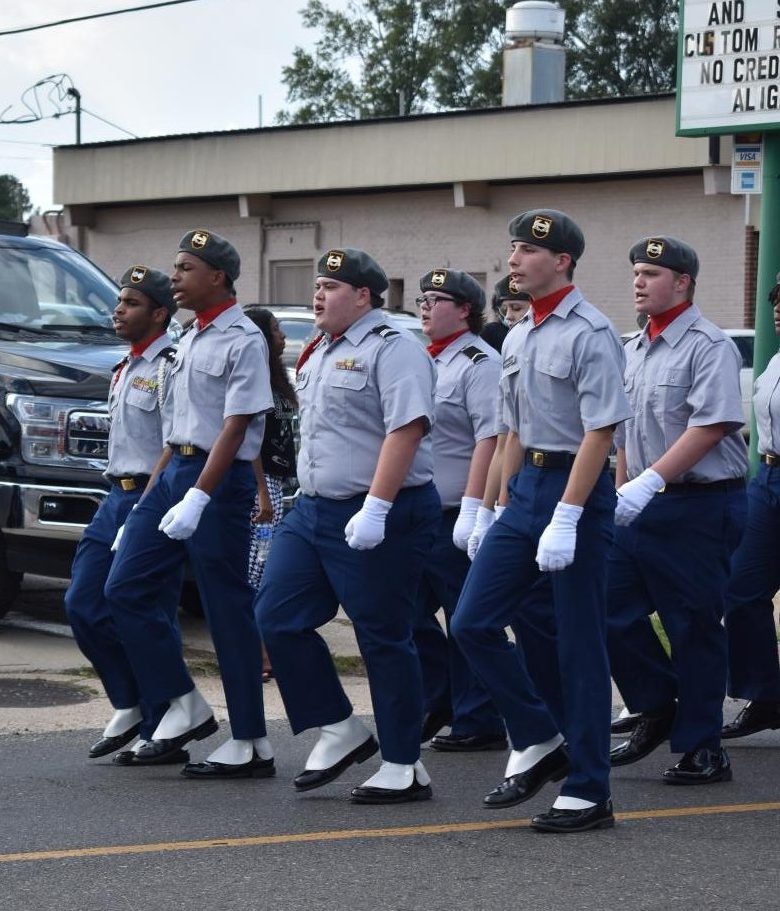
(53,290)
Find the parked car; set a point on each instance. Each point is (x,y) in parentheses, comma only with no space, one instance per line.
(744,339)
(57,350)
(297,322)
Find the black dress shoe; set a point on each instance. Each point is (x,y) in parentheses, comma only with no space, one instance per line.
(517,788)
(156,752)
(107,745)
(214,771)
(415,791)
(128,757)
(434,721)
(468,743)
(624,725)
(702,766)
(599,816)
(649,733)
(755,716)
(316,778)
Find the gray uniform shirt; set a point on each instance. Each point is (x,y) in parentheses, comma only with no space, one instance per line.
(766,405)
(469,371)
(219,372)
(563,377)
(354,391)
(138,423)
(688,376)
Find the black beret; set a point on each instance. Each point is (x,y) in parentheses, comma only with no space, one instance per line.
(355,267)
(548,228)
(153,283)
(457,284)
(507,290)
(214,250)
(667,252)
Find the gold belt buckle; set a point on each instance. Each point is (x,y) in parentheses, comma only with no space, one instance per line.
(127,484)
(537,458)
(187,449)
(771,458)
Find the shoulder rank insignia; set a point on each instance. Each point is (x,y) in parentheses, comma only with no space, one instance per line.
(474,354)
(509,361)
(169,353)
(385,332)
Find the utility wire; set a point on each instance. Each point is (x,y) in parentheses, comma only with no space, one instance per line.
(114,125)
(116,12)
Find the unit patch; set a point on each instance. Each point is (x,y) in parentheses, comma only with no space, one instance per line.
(541,226)
(334,261)
(655,248)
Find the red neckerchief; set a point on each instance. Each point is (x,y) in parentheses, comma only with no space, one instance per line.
(136,350)
(544,306)
(208,316)
(436,348)
(306,353)
(656,324)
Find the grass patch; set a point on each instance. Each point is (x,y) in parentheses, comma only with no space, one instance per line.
(350,665)
(86,672)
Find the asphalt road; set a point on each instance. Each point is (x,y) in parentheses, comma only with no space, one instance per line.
(89,836)
(80,834)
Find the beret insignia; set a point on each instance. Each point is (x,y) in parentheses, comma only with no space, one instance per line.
(335,259)
(200,239)
(541,226)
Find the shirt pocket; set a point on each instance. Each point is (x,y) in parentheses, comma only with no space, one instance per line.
(557,366)
(348,396)
(447,391)
(670,396)
(146,401)
(212,365)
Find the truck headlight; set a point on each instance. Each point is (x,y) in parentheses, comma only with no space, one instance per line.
(62,431)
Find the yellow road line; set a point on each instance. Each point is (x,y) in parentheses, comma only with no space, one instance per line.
(351,834)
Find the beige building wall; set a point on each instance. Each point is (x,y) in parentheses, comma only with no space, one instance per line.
(410,232)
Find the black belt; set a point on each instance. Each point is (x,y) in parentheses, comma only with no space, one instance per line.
(542,458)
(129,481)
(188,450)
(705,486)
(769,458)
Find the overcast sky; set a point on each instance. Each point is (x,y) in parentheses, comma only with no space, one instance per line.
(189,68)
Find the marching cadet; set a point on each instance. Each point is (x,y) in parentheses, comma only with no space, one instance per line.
(358,534)
(563,393)
(464,439)
(754,672)
(680,514)
(139,403)
(200,508)
(510,305)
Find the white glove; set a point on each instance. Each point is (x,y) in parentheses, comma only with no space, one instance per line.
(485,518)
(558,540)
(634,495)
(182,519)
(119,532)
(499,511)
(366,529)
(464,524)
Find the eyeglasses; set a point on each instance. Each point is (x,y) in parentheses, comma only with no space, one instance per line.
(428,303)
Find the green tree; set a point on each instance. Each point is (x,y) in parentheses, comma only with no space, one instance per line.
(620,47)
(14,198)
(379,58)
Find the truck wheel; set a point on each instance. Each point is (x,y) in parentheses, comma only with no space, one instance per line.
(190,599)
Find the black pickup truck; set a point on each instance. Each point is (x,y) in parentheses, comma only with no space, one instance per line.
(57,348)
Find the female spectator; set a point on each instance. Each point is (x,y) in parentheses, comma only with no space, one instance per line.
(276,464)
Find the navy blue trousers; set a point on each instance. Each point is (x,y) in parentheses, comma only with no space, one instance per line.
(447,677)
(754,672)
(310,571)
(219,553)
(89,612)
(497,591)
(675,559)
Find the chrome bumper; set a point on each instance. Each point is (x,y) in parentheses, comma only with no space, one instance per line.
(38,510)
